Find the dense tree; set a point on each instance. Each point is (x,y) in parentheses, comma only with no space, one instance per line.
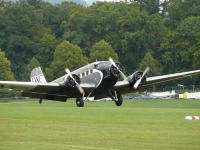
(173,55)
(34,28)
(5,65)
(65,55)
(77,30)
(19,21)
(188,29)
(155,67)
(195,50)
(101,51)
(152,6)
(177,10)
(188,33)
(45,49)
(104,17)
(139,33)
(179,47)
(33,64)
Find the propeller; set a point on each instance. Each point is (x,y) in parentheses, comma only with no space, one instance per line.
(77,85)
(139,81)
(120,72)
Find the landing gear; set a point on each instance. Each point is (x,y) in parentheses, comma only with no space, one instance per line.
(116,97)
(79,101)
(40,101)
(119,100)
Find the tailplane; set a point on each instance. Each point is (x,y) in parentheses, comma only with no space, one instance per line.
(37,75)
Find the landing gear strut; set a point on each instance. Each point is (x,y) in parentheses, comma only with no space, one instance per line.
(79,101)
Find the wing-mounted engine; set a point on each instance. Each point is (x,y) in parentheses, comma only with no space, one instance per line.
(70,82)
(135,77)
(73,81)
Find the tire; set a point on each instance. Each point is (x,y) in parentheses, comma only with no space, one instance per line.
(120,100)
(79,102)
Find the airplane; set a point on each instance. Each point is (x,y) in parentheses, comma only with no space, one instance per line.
(99,79)
(166,94)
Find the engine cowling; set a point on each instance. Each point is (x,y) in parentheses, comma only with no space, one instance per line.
(70,82)
(136,76)
(114,71)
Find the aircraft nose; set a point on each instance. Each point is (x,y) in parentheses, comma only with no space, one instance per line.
(114,71)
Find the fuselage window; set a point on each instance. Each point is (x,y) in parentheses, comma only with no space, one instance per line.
(87,73)
(95,66)
(91,71)
(83,74)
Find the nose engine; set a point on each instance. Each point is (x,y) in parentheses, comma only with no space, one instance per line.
(110,73)
(114,71)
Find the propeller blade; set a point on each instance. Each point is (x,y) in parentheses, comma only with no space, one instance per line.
(68,72)
(77,85)
(139,81)
(120,72)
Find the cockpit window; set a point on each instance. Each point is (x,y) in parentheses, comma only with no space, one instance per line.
(104,64)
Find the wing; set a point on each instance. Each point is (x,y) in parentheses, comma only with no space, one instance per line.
(30,86)
(32,89)
(39,87)
(13,86)
(165,78)
(52,91)
(123,86)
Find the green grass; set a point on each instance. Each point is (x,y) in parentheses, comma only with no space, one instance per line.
(137,124)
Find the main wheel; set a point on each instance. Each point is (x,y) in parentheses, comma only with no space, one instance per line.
(79,102)
(40,101)
(120,100)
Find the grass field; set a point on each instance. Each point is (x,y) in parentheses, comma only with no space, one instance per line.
(137,124)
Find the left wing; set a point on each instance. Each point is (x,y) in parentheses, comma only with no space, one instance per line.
(123,86)
(164,78)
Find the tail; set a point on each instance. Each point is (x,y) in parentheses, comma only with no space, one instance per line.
(37,76)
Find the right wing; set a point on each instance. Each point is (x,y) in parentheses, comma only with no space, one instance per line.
(52,90)
(30,86)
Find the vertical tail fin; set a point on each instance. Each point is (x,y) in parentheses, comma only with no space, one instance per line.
(37,75)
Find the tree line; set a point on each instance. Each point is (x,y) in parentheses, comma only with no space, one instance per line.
(164,35)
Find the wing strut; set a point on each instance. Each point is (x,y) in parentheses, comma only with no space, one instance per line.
(88,95)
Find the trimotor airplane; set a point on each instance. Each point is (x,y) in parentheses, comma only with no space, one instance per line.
(98,79)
